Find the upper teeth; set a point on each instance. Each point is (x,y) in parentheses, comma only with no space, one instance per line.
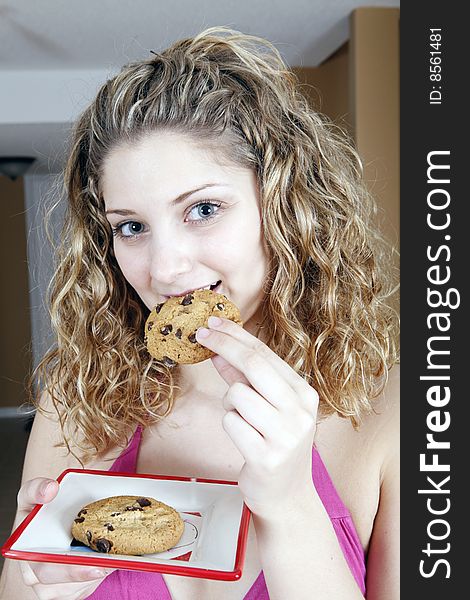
(207,287)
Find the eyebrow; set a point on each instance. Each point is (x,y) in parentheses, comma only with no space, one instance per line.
(174,202)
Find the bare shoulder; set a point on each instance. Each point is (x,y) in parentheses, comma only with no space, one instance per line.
(388,404)
(383,572)
(47,456)
(382,426)
(377,436)
(364,463)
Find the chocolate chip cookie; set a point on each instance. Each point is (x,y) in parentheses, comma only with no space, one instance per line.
(128,525)
(170,330)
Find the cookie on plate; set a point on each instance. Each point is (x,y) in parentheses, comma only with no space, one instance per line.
(128,525)
(170,330)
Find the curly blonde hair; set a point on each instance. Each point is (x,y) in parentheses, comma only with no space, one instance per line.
(325,309)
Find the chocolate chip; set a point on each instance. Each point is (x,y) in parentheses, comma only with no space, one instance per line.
(192,338)
(82,512)
(88,535)
(166,330)
(168,362)
(188,299)
(178,333)
(219,306)
(115,514)
(134,508)
(79,520)
(143,502)
(109,527)
(75,542)
(103,545)
(158,308)
(149,325)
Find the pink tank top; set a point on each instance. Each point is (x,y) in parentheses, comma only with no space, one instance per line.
(137,585)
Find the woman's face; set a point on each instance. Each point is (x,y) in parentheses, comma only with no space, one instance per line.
(181,222)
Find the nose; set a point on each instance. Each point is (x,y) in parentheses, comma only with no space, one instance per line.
(170,259)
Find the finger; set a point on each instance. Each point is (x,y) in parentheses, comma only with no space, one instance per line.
(49,573)
(36,491)
(250,341)
(249,442)
(254,409)
(227,371)
(75,591)
(306,395)
(252,363)
(27,573)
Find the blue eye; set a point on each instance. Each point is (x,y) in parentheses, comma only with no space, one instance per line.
(203,211)
(129,229)
(199,214)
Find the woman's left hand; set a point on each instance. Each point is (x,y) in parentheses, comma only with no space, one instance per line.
(271,418)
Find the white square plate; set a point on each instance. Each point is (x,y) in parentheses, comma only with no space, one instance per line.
(213,543)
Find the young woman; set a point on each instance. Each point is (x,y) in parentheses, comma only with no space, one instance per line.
(205,166)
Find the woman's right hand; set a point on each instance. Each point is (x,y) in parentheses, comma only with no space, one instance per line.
(52,581)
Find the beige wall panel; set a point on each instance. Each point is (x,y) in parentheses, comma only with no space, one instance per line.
(327,86)
(374,95)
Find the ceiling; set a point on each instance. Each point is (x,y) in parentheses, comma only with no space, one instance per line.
(55,53)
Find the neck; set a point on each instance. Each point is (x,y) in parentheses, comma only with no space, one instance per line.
(201,377)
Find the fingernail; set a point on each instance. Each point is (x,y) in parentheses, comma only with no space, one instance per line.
(46,487)
(214,322)
(97,573)
(202,333)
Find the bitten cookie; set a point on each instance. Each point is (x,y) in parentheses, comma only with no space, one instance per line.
(170,330)
(128,525)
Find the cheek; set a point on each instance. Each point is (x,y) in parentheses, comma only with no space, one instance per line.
(132,266)
(239,253)
(223,249)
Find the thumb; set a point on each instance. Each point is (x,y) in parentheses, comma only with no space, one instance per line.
(37,491)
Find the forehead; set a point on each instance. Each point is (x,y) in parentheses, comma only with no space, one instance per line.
(166,164)
(155,146)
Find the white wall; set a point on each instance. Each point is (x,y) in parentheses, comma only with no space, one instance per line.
(40,192)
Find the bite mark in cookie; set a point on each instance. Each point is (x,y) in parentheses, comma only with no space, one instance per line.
(170,330)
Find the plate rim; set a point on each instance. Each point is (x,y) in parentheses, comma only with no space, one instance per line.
(135,565)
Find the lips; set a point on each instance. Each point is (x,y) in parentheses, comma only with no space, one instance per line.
(212,286)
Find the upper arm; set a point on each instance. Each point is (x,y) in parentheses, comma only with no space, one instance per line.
(43,458)
(383,559)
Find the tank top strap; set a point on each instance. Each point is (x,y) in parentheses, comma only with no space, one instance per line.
(126,462)
(326,489)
